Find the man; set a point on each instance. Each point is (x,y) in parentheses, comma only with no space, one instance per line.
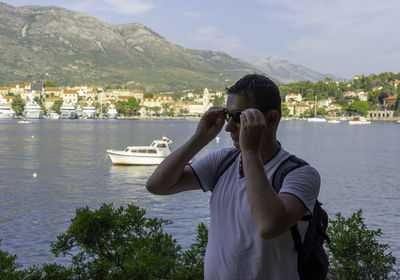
(249,235)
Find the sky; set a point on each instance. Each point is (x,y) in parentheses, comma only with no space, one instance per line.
(342,37)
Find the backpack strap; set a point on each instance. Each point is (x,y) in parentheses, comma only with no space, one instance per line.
(226,162)
(286,166)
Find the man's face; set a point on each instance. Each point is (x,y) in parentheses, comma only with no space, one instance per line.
(236,103)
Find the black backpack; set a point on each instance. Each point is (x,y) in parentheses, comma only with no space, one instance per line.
(312,261)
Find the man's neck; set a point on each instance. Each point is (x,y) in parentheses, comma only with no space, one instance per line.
(269,150)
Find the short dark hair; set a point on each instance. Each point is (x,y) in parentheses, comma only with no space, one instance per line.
(264,91)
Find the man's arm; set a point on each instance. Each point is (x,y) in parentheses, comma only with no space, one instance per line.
(273,213)
(173,175)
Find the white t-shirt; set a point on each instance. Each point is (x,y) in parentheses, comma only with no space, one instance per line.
(235,250)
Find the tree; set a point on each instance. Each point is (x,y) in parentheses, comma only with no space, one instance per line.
(118,243)
(56,107)
(148,95)
(219,101)
(40,103)
(354,252)
(50,84)
(285,110)
(360,106)
(18,105)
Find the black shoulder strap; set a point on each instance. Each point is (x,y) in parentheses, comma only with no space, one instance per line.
(227,161)
(286,166)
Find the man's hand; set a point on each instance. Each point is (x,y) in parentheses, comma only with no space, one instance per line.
(210,124)
(252,126)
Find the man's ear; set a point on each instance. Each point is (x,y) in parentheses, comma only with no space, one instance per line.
(272,118)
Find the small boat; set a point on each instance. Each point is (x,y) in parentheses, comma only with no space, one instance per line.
(54,116)
(142,155)
(317,118)
(333,121)
(23,121)
(359,120)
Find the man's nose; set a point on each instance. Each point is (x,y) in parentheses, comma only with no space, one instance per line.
(230,126)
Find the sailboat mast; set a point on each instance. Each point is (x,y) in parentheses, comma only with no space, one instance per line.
(315,106)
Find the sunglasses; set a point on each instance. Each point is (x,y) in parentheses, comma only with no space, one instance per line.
(235,115)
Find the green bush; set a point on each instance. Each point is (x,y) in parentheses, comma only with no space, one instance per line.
(354,252)
(122,243)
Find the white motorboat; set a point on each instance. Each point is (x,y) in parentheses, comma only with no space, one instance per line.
(89,112)
(68,112)
(333,121)
(317,118)
(142,155)
(33,111)
(112,113)
(54,116)
(6,112)
(23,121)
(359,120)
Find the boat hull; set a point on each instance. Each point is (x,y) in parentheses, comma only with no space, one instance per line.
(316,120)
(359,122)
(123,158)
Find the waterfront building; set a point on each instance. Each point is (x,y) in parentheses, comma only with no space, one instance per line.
(293,97)
(389,102)
(70,96)
(52,91)
(49,102)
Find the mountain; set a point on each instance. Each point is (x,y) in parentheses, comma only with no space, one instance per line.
(53,43)
(288,72)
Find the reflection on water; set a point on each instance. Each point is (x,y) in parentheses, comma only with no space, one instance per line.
(358,167)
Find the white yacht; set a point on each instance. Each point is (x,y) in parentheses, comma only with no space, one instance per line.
(112,113)
(89,112)
(68,112)
(6,112)
(142,155)
(33,111)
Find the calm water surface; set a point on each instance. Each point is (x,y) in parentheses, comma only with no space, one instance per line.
(359,167)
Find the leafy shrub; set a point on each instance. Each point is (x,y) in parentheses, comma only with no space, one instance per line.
(354,252)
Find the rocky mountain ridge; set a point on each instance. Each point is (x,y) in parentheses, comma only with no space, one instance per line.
(288,72)
(40,43)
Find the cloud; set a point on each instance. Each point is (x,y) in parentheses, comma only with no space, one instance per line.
(340,34)
(216,39)
(128,7)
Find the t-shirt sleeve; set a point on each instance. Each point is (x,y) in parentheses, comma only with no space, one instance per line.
(304,183)
(206,168)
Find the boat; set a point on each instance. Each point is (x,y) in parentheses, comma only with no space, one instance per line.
(333,121)
(23,121)
(68,111)
(142,155)
(89,112)
(54,116)
(6,112)
(359,120)
(33,111)
(112,113)
(316,118)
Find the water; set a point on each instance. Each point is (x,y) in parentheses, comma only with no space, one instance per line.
(359,167)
